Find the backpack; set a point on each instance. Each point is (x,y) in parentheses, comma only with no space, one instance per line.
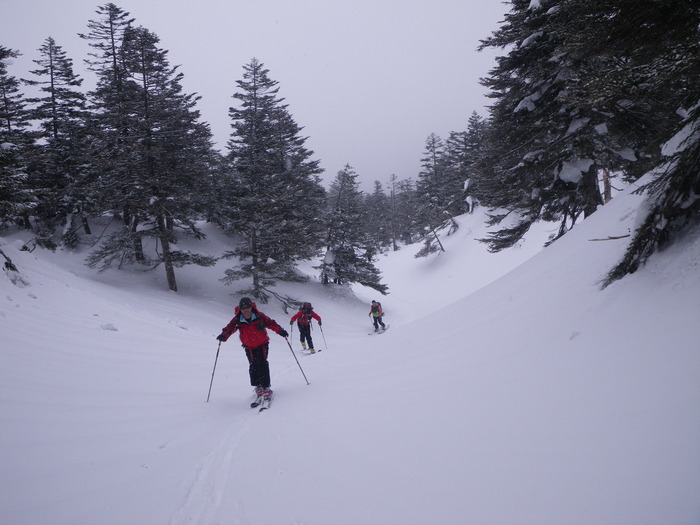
(306,310)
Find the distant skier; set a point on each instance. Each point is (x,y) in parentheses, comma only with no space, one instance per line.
(251,325)
(376,312)
(303,318)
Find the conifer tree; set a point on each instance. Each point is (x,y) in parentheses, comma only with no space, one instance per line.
(392,213)
(271,197)
(464,155)
(14,118)
(17,197)
(547,148)
(112,130)
(594,85)
(348,258)
(609,80)
(377,218)
(61,115)
(167,151)
(437,190)
(403,200)
(651,83)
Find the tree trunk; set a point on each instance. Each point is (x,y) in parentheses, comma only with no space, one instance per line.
(167,259)
(86,225)
(254,262)
(590,192)
(607,187)
(138,244)
(442,248)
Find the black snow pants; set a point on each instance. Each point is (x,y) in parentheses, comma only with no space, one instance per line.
(305,333)
(259,368)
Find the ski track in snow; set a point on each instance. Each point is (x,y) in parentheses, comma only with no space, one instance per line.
(206,490)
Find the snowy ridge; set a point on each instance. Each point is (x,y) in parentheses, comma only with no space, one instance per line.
(565,403)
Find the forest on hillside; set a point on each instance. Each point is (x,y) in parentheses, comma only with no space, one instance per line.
(585,94)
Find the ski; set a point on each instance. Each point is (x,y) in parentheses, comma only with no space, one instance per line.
(258,401)
(381,331)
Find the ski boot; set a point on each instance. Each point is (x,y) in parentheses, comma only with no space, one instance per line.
(259,396)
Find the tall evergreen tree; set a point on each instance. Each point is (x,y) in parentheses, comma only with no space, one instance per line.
(403,200)
(17,197)
(169,152)
(377,218)
(348,258)
(464,155)
(639,111)
(112,127)
(62,105)
(272,194)
(14,117)
(548,149)
(437,190)
(650,81)
(61,115)
(594,85)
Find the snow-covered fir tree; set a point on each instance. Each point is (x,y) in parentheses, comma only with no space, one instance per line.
(349,253)
(17,197)
(168,151)
(634,123)
(271,197)
(438,192)
(463,156)
(652,78)
(591,87)
(403,201)
(60,112)
(548,149)
(377,218)
(110,129)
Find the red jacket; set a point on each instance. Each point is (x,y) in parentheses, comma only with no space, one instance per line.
(303,318)
(253,333)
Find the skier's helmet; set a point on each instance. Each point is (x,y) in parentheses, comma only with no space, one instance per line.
(245,302)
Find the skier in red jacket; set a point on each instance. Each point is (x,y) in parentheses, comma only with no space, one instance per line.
(251,325)
(303,318)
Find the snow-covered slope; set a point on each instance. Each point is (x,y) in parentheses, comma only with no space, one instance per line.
(504,393)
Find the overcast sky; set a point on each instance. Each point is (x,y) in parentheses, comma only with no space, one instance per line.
(368,80)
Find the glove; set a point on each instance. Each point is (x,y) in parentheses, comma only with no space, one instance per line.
(320,323)
(221,337)
(283,332)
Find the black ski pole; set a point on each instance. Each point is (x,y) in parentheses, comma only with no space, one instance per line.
(324,336)
(295,358)
(212,372)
